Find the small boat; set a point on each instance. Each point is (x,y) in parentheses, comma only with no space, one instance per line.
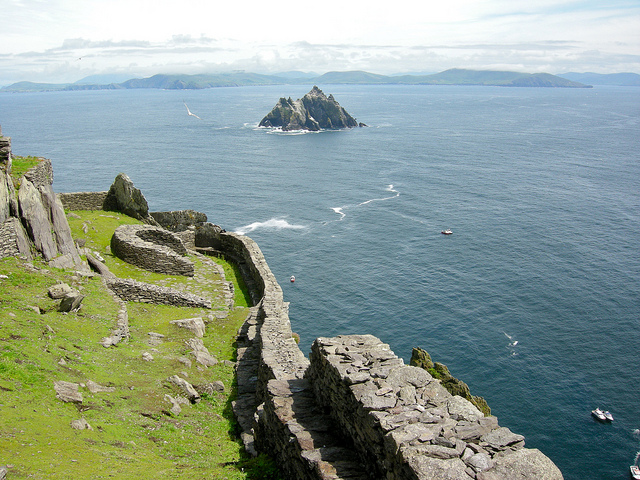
(446,232)
(635,472)
(599,415)
(292,278)
(608,416)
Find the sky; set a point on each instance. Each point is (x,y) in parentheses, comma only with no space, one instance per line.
(58,41)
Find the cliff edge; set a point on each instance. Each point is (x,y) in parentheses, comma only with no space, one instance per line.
(313,112)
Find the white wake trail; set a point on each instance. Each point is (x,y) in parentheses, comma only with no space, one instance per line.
(340,210)
(388,189)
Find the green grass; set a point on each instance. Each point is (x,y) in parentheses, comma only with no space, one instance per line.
(133,433)
(21,165)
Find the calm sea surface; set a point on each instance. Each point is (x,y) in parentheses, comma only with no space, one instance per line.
(541,188)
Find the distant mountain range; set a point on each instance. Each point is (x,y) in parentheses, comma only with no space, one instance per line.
(454,76)
(617,79)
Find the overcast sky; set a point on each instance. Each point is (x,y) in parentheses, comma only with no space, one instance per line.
(66,40)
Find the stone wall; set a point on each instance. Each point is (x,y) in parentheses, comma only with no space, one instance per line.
(356,411)
(82,200)
(13,239)
(5,151)
(134,291)
(405,425)
(179,220)
(41,175)
(275,406)
(151,248)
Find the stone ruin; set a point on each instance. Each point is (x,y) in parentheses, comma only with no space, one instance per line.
(151,248)
(354,410)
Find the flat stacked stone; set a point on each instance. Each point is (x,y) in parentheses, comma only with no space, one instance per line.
(405,425)
(151,248)
(135,291)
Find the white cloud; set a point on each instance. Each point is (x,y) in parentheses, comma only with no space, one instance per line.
(42,40)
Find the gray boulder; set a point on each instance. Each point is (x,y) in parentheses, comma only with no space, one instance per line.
(60,225)
(124,197)
(203,357)
(80,424)
(194,325)
(59,290)
(67,391)
(71,302)
(187,388)
(5,196)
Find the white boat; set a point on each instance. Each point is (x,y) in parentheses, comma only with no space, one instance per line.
(635,472)
(599,414)
(608,415)
(447,232)
(292,279)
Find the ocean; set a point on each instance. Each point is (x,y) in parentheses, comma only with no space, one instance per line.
(533,301)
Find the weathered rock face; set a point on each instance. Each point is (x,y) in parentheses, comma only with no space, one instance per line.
(179,220)
(36,207)
(315,111)
(36,219)
(124,197)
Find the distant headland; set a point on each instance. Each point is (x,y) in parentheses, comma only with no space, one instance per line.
(454,76)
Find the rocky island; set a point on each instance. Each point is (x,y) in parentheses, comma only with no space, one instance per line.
(313,112)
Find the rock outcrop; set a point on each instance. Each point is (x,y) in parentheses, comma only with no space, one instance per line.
(124,197)
(179,220)
(315,111)
(32,219)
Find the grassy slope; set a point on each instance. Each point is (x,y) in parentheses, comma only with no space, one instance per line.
(133,434)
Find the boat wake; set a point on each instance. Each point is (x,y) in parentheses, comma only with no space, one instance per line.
(388,189)
(340,210)
(271,224)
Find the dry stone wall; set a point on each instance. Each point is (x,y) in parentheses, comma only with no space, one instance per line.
(356,411)
(82,200)
(134,291)
(13,239)
(405,425)
(151,248)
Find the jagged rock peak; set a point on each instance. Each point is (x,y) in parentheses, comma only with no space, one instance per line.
(315,111)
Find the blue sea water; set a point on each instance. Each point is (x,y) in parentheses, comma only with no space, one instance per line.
(540,186)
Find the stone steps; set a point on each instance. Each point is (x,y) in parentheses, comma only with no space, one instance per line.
(289,424)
